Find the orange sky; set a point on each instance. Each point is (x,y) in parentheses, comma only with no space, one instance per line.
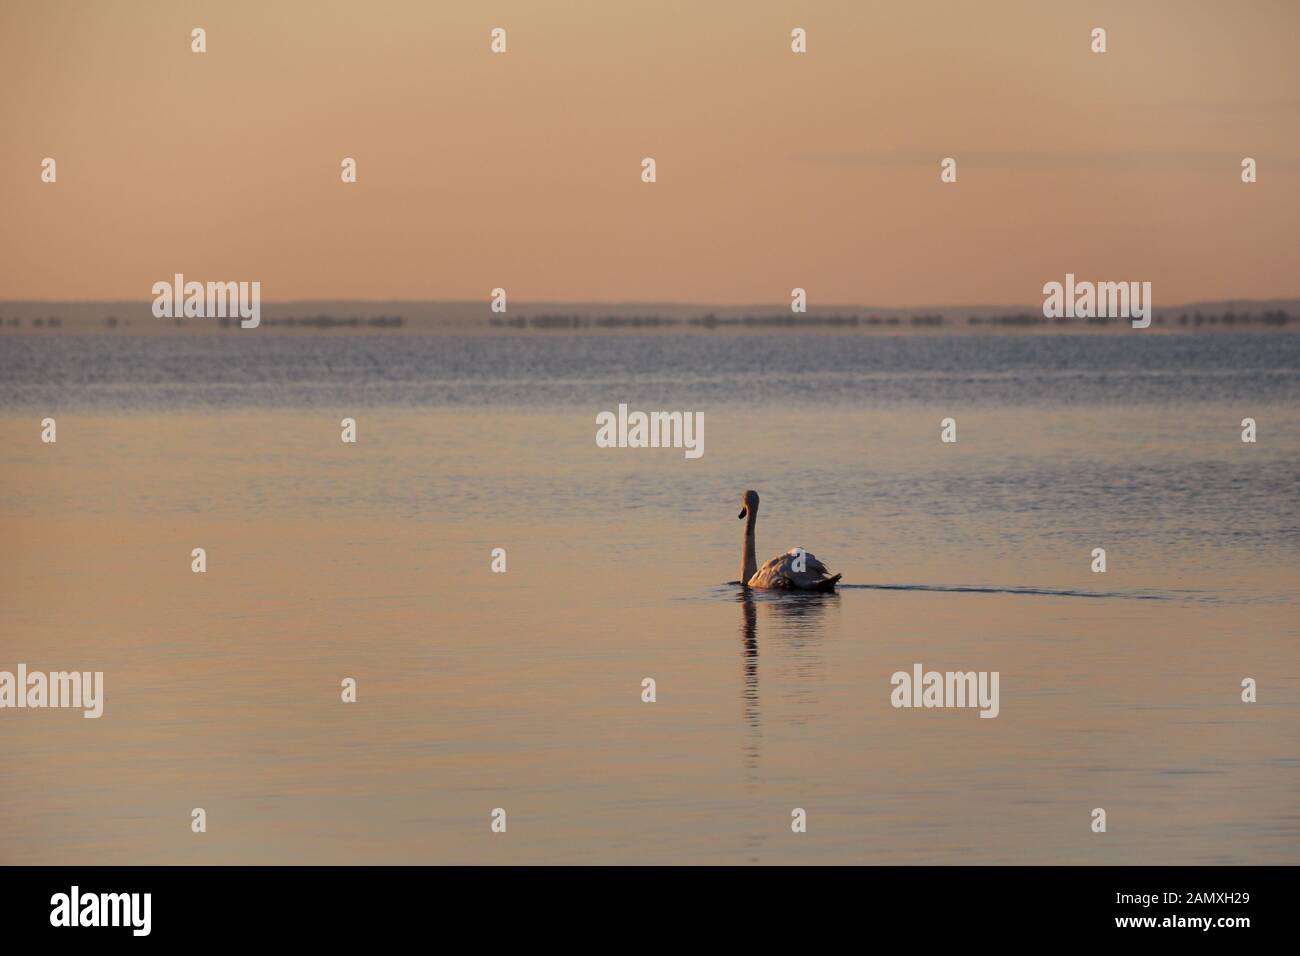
(775,170)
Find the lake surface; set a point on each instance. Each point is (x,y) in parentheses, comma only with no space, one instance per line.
(522,690)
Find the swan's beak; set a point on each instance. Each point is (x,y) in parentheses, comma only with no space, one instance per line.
(743,512)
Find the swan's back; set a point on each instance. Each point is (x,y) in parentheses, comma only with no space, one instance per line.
(779,574)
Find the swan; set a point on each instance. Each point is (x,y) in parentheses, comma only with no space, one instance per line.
(796,570)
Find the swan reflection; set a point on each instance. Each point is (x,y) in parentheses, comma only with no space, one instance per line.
(792,622)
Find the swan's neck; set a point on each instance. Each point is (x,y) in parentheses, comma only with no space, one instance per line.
(748,565)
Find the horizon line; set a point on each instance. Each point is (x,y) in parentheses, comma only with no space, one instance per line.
(623,303)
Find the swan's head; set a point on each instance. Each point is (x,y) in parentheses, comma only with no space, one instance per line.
(748,504)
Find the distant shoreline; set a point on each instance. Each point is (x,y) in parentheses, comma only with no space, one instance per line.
(464,318)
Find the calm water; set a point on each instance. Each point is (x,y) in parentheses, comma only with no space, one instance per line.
(522,690)
(115,372)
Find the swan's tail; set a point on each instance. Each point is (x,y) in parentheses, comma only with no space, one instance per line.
(829,583)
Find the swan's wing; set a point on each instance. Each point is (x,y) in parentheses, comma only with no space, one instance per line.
(772,574)
(780,572)
(810,561)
